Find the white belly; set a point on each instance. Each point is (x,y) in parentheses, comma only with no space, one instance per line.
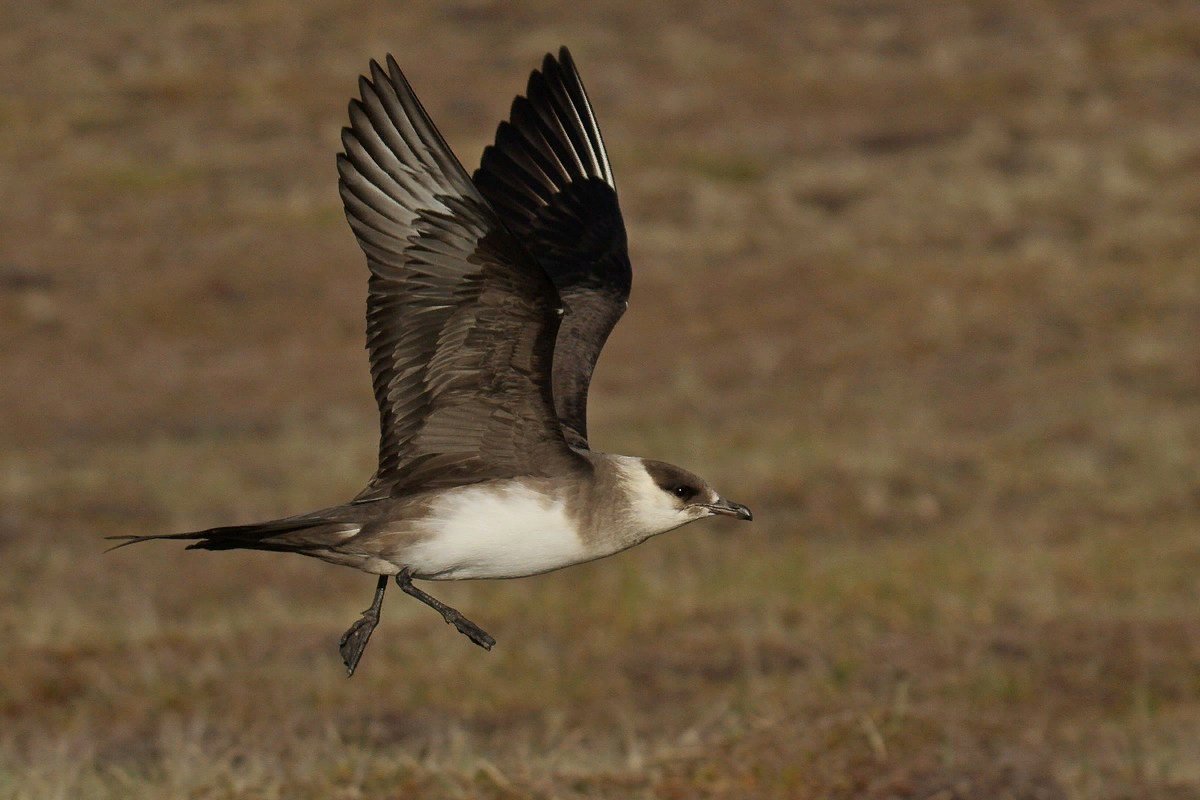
(491,531)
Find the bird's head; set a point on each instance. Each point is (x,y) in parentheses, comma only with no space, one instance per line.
(663,496)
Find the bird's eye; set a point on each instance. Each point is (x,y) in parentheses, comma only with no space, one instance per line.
(684,492)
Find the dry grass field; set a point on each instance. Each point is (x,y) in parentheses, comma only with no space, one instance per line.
(918,282)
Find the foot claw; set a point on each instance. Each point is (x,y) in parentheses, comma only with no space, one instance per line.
(473,632)
(354,641)
(477,635)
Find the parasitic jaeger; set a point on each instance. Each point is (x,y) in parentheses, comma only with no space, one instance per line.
(490,297)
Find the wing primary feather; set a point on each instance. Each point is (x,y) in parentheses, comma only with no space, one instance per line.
(573,125)
(554,128)
(583,106)
(548,175)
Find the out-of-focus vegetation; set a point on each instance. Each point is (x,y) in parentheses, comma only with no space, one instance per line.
(917,282)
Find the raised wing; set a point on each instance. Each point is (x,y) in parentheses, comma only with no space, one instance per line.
(461,322)
(548,177)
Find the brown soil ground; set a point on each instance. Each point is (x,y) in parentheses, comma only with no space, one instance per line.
(917,282)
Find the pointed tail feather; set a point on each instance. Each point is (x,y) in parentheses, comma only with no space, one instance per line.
(257,536)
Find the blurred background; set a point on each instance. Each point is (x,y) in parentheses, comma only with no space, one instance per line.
(918,282)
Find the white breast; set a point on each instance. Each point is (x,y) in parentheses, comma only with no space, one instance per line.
(494,531)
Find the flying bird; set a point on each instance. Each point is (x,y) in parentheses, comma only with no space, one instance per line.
(489,299)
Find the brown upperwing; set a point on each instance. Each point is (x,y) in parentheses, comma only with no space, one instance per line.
(461,322)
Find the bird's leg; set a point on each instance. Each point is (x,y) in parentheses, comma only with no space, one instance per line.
(354,641)
(452,616)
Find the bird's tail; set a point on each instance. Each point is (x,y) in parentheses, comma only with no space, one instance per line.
(279,534)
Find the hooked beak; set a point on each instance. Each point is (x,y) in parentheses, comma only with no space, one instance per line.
(723,506)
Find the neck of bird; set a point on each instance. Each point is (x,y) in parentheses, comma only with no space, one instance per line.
(619,491)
